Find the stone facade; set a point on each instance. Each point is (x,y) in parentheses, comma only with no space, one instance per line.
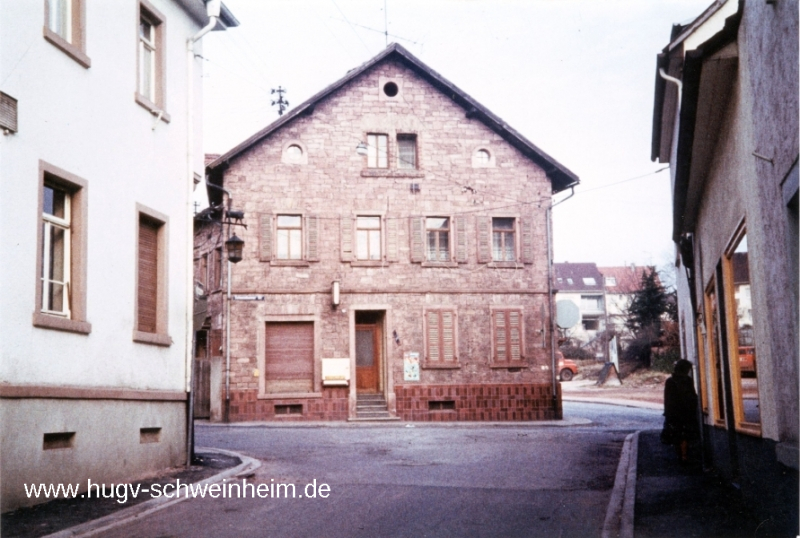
(399,293)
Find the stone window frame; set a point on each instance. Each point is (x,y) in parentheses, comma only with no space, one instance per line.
(524,247)
(389,239)
(287,159)
(75,45)
(261,339)
(375,145)
(77,188)
(407,137)
(157,106)
(161,335)
(496,362)
(268,238)
(476,161)
(427,362)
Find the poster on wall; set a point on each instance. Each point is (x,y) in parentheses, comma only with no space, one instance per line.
(411,366)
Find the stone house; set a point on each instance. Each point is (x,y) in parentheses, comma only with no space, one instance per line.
(726,119)
(395,260)
(98,106)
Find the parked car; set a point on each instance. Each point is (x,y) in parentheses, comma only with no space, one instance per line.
(567,368)
(747,361)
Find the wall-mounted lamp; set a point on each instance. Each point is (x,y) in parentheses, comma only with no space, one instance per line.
(396,337)
(234,246)
(335,293)
(361,149)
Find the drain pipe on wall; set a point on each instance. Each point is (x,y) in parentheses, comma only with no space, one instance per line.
(553,341)
(213,8)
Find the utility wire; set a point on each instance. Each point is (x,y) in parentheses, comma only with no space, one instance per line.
(376,30)
(351,26)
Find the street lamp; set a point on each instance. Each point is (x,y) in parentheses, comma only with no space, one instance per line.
(234,247)
(362,149)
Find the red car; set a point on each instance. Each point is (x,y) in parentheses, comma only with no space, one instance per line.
(566,367)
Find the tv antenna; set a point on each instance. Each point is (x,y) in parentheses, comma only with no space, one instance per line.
(282,103)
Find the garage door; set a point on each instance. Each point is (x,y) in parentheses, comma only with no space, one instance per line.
(289,365)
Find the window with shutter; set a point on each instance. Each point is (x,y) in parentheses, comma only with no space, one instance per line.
(507,336)
(346,230)
(440,336)
(289,237)
(437,231)
(151,279)
(289,358)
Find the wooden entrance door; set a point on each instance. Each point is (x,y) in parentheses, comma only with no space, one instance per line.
(368,353)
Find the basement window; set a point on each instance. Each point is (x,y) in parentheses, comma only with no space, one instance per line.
(443,405)
(290,409)
(53,441)
(149,435)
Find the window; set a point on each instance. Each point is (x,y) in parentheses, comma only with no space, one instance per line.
(507,336)
(503,240)
(611,281)
(591,323)
(63,27)
(56,251)
(742,347)
(61,268)
(440,338)
(406,151)
(438,233)
(294,152)
(217,269)
(714,354)
(289,237)
(368,238)
(481,159)
(151,63)
(589,281)
(569,280)
(377,151)
(151,279)
(591,303)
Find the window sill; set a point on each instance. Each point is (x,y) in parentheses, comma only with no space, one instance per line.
(444,265)
(289,396)
(288,263)
(67,48)
(152,338)
(747,428)
(508,365)
(46,321)
(391,172)
(367,263)
(152,107)
(505,265)
(435,366)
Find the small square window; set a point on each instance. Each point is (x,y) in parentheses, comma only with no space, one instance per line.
(377,151)
(406,151)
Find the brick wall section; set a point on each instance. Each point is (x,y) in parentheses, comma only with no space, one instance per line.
(334,183)
(503,402)
(245,406)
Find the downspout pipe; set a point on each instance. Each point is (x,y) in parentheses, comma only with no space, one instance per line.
(675,81)
(550,293)
(213,8)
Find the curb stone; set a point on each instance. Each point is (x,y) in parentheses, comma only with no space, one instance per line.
(620,511)
(91,528)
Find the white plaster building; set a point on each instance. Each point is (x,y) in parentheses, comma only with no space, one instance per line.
(99,110)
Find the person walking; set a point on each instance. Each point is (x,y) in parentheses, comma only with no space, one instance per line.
(680,410)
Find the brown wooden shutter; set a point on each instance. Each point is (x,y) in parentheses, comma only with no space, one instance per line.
(289,357)
(417,239)
(148,276)
(312,238)
(346,224)
(500,336)
(265,237)
(391,240)
(460,227)
(484,239)
(514,335)
(8,112)
(526,239)
(434,331)
(448,336)
(215,342)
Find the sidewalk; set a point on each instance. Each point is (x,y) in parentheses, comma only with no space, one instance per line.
(81,516)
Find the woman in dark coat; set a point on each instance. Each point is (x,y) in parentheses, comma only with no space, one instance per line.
(680,410)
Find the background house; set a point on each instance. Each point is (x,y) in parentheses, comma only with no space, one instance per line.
(726,119)
(582,283)
(95,105)
(397,235)
(620,285)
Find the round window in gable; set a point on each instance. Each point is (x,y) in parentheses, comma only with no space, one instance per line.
(390,89)
(482,157)
(294,153)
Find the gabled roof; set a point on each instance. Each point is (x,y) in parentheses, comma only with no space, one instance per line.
(561,177)
(578,277)
(628,277)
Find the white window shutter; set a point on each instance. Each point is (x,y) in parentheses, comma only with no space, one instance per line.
(312,238)
(265,237)
(460,228)
(347,238)
(417,239)
(484,239)
(391,239)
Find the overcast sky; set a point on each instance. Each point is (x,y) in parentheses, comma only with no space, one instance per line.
(575,77)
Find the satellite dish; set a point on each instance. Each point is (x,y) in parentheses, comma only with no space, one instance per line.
(567,314)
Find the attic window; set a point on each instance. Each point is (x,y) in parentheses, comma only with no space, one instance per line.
(569,281)
(589,281)
(481,158)
(294,153)
(390,89)
(611,281)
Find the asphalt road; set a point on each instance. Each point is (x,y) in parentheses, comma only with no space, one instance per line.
(415,480)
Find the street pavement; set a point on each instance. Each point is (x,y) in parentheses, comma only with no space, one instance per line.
(509,479)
